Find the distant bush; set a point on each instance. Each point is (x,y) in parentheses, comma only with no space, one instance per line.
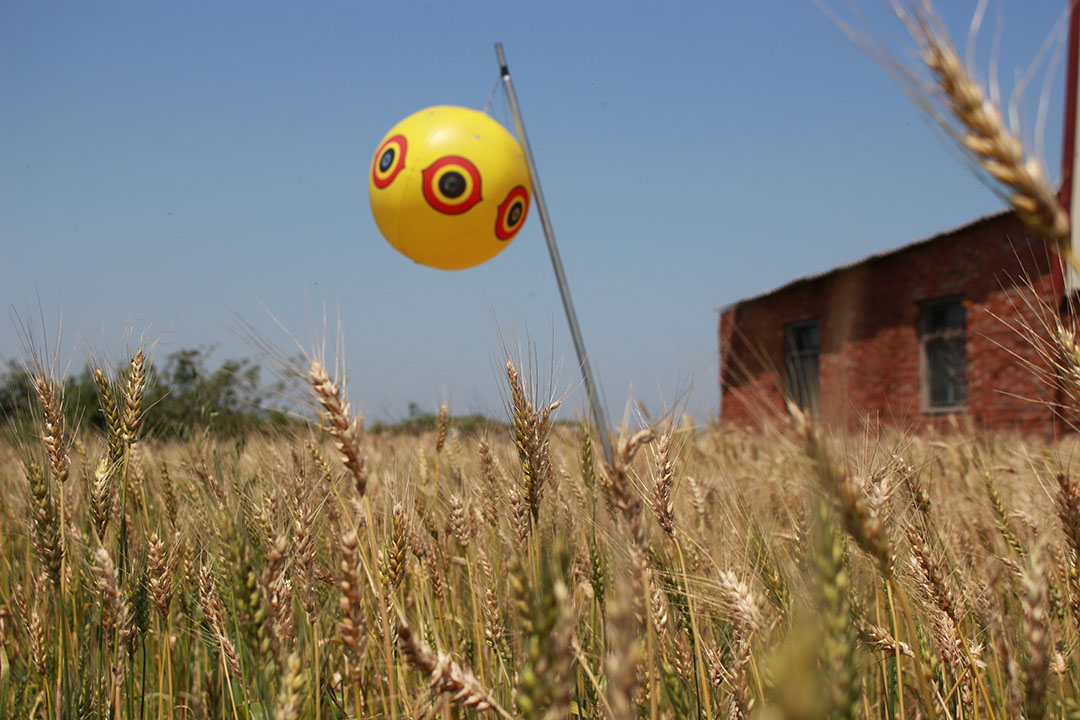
(418,421)
(187,396)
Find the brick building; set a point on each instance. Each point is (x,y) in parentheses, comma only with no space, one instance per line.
(922,335)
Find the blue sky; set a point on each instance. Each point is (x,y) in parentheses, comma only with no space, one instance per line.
(168,167)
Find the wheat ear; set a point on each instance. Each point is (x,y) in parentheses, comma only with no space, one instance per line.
(976,125)
(995,148)
(1037,633)
(961,108)
(446,675)
(51,394)
(339,422)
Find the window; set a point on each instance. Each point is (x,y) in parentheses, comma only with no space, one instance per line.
(802,349)
(943,342)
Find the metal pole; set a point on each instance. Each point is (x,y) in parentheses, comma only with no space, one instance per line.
(556,261)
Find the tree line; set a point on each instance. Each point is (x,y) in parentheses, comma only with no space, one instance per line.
(185,396)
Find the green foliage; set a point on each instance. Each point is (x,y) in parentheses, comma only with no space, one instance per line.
(228,401)
(418,421)
(187,397)
(16,392)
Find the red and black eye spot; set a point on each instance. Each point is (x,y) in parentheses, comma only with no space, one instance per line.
(512,213)
(389,161)
(452,185)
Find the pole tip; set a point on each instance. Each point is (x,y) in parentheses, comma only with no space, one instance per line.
(504,70)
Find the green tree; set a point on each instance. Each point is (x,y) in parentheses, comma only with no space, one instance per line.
(185,397)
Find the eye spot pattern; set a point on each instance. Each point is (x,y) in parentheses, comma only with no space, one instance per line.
(452,185)
(389,161)
(512,212)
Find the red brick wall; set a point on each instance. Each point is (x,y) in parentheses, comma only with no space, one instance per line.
(870,355)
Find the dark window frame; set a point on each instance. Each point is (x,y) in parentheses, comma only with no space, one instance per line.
(802,351)
(943,352)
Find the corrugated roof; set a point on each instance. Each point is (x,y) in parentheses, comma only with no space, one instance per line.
(818,276)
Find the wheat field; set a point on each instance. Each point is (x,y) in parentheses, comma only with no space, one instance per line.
(321,571)
(326,572)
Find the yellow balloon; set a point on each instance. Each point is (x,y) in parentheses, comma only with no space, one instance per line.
(449,187)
